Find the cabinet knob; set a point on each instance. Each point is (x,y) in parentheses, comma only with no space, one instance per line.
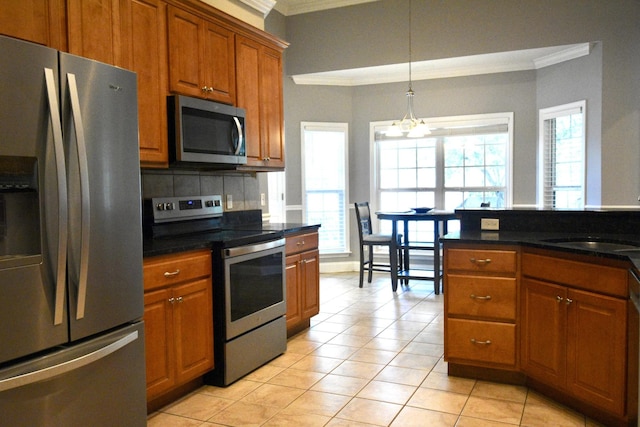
(172,300)
(179,299)
(559,299)
(568,301)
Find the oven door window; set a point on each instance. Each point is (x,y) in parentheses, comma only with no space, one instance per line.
(255,284)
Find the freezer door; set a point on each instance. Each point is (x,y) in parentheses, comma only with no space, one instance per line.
(32,202)
(100,382)
(100,125)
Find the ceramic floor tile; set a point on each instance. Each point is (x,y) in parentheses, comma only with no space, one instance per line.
(335,351)
(264,373)
(508,392)
(425,349)
(400,375)
(319,403)
(351,368)
(493,410)
(350,340)
(477,422)
(273,395)
(370,355)
(370,411)
(417,361)
(387,344)
(297,420)
(244,414)
(438,400)
(442,381)
(387,392)
(296,378)
(417,417)
(199,406)
(302,346)
(168,420)
(340,384)
(235,391)
(317,364)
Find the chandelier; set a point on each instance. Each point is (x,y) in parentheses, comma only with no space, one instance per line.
(410,124)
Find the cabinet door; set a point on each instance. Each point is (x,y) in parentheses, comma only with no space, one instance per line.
(158,331)
(596,349)
(292,271)
(193,322)
(248,96)
(311,283)
(271,114)
(38,21)
(144,41)
(219,73)
(94,30)
(185,56)
(544,331)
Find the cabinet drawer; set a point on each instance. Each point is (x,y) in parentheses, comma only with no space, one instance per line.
(481,260)
(592,277)
(479,341)
(481,296)
(170,269)
(301,243)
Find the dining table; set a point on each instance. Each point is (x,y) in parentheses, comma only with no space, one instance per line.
(440,220)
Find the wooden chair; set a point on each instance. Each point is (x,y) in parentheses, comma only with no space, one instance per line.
(369,239)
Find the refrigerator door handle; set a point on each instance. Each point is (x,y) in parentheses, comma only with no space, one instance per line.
(62,368)
(84,194)
(58,149)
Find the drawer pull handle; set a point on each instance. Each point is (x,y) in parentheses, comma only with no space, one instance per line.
(300,243)
(485,298)
(487,342)
(480,261)
(171,273)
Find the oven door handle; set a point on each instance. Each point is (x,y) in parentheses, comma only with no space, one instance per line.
(249,249)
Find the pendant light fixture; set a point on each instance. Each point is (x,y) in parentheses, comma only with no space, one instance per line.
(410,124)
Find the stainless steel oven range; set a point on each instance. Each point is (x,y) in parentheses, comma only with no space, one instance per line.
(249,293)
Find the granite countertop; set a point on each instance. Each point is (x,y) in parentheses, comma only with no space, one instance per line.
(557,230)
(170,245)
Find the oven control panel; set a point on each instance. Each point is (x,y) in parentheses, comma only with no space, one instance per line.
(167,209)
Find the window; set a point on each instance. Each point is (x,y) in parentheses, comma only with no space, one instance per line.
(325,172)
(561,164)
(464,162)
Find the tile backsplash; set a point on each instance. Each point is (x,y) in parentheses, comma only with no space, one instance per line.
(244,188)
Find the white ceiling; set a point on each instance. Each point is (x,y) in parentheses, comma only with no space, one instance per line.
(530,59)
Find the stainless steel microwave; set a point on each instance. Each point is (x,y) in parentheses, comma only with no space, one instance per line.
(204,132)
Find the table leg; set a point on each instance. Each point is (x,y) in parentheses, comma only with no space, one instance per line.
(393,256)
(406,246)
(436,257)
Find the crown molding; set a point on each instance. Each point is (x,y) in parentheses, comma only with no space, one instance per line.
(297,7)
(501,62)
(262,6)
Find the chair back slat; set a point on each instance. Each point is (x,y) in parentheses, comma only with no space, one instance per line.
(363,215)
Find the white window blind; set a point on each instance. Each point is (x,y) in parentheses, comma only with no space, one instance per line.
(325,172)
(561,168)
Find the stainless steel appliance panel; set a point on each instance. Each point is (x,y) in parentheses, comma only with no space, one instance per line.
(105,253)
(29,274)
(100,382)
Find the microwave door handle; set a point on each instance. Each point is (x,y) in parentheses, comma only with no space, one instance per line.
(238,146)
(84,194)
(61,174)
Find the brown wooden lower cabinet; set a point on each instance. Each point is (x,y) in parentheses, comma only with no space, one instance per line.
(178,319)
(561,321)
(303,280)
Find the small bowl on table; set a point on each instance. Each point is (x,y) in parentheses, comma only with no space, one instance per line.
(421,210)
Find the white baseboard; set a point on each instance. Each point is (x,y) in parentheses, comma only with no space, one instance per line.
(339,267)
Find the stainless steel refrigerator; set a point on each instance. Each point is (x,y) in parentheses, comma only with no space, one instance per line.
(71,295)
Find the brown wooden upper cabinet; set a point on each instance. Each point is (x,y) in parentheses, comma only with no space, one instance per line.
(37,21)
(201,57)
(259,82)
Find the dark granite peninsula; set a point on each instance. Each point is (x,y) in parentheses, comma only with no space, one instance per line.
(541,297)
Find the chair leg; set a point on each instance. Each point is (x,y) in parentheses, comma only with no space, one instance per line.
(361,264)
(370,249)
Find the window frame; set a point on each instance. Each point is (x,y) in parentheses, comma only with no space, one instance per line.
(554,113)
(327,127)
(439,122)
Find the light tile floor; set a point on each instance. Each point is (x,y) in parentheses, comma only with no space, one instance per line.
(371,357)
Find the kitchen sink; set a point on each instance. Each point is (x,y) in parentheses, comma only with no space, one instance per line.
(597,244)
